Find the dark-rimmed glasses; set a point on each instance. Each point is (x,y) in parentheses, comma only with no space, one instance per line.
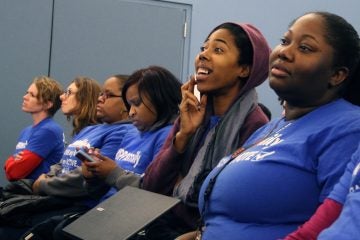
(106,95)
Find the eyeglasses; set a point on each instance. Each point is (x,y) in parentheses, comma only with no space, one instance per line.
(107,95)
(68,92)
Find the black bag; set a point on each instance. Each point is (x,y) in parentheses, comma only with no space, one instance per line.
(17,203)
(51,229)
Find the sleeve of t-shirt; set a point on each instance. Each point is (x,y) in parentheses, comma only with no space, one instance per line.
(161,174)
(341,189)
(333,161)
(42,142)
(324,216)
(329,211)
(16,169)
(160,141)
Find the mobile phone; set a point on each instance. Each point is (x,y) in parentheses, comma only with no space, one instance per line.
(197,93)
(83,156)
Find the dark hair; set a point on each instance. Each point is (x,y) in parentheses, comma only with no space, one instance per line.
(242,41)
(345,42)
(161,87)
(121,79)
(266,110)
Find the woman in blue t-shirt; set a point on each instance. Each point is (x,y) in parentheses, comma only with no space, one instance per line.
(346,194)
(34,152)
(79,102)
(152,96)
(86,104)
(286,169)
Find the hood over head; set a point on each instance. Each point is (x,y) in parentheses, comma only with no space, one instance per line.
(261,53)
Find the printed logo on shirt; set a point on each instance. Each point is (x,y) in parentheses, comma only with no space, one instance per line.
(80,143)
(68,165)
(133,158)
(259,155)
(69,162)
(271,141)
(70,152)
(355,182)
(21,145)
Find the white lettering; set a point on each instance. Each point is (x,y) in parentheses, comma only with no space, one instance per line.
(271,141)
(354,188)
(69,152)
(356,170)
(69,162)
(21,145)
(132,158)
(80,143)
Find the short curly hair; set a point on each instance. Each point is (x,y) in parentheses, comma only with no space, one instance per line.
(49,90)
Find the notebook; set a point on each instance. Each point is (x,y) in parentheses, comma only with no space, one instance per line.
(121,216)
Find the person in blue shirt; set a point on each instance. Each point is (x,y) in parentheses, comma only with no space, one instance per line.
(152,96)
(79,101)
(65,179)
(347,193)
(42,144)
(275,181)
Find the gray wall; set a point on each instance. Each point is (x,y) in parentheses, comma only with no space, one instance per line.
(45,37)
(25,33)
(25,29)
(270,16)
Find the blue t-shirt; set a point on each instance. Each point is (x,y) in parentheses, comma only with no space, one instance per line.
(46,139)
(106,137)
(279,181)
(137,152)
(140,148)
(347,191)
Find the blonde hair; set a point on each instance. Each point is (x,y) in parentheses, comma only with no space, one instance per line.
(87,97)
(49,90)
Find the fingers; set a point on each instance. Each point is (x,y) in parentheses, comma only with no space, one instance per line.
(100,157)
(189,85)
(86,172)
(189,104)
(189,100)
(192,83)
(90,168)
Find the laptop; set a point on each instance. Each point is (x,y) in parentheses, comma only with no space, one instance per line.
(121,216)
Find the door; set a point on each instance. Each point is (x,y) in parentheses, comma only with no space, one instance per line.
(101,38)
(96,38)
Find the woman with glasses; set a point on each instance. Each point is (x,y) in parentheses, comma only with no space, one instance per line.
(65,179)
(151,96)
(115,107)
(34,153)
(79,102)
(66,176)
